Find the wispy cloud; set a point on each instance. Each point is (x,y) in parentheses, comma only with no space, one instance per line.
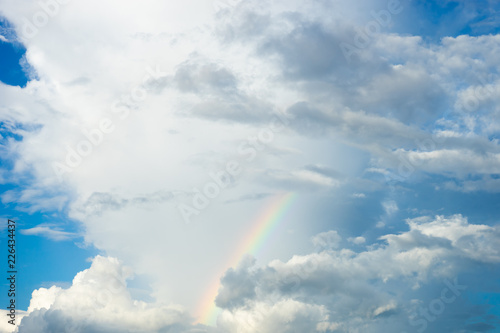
(49,231)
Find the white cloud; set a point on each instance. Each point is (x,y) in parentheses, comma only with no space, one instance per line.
(466,161)
(384,309)
(50,232)
(390,207)
(5,327)
(476,241)
(214,87)
(357,240)
(98,301)
(284,316)
(326,240)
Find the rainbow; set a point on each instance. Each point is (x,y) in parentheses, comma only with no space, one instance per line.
(262,229)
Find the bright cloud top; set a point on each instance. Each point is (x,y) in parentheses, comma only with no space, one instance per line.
(98,301)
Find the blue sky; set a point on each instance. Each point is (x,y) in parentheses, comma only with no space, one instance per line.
(36,254)
(11,72)
(388,136)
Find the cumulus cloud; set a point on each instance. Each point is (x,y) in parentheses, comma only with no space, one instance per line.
(414,84)
(357,240)
(282,316)
(98,301)
(5,327)
(347,291)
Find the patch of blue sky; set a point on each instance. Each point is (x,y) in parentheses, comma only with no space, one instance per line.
(433,20)
(13,65)
(429,196)
(41,261)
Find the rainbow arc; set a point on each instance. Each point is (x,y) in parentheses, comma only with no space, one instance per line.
(262,229)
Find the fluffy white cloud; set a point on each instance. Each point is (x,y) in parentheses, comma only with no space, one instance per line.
(98,301)
(357,240)
(281,316)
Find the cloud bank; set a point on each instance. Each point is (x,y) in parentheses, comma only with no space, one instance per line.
(136,109)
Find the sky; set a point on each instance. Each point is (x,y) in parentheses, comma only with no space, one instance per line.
(239,166)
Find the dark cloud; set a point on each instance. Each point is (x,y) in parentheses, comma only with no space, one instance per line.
(306,52)
(237,286)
